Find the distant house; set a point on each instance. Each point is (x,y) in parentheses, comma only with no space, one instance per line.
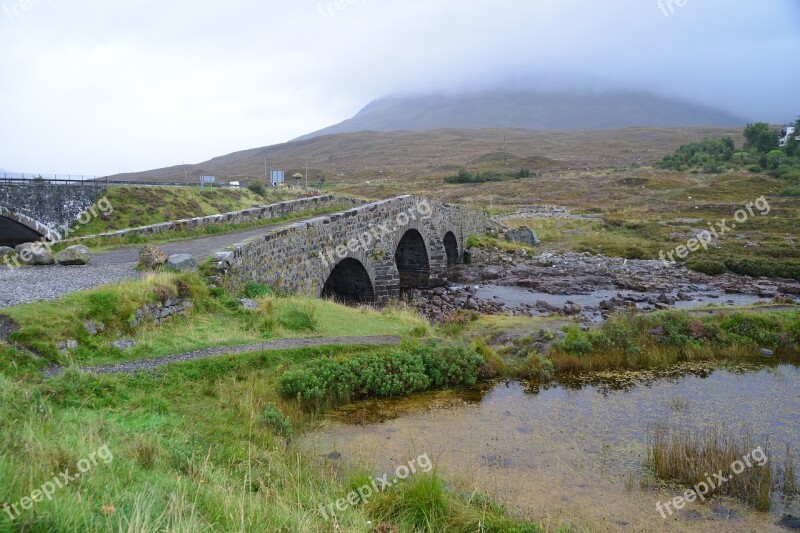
(234,185)
(298,180)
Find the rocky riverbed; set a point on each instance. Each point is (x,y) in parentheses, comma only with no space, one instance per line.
(587,287)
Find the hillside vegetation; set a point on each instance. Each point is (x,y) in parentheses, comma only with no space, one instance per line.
(143,206)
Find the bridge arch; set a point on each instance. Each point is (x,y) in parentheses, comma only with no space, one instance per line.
(17,228)
(451,248)
(413,260)
(349,281)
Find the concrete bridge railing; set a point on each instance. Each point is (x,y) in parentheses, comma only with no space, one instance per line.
(366,254)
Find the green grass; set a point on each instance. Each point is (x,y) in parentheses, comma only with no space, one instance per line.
(143,206)
(200,447)
(100,244)
(632,341)
(213,321)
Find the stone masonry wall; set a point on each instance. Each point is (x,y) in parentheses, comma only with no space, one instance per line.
(51,205)
(535,211)
(297,259)
(265,212)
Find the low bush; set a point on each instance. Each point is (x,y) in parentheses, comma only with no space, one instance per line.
(255,289)
(707,266)
(325,382)
(273,418)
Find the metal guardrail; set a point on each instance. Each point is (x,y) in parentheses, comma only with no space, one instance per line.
(15,179)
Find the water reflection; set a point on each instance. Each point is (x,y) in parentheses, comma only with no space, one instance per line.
(574,449)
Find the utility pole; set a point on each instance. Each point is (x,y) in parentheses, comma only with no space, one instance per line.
(265,169)
(306,175)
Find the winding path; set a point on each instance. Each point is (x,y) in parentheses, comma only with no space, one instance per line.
(30,284)
(131,367)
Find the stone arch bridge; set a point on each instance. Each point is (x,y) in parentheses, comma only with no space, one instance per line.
(366,254)
(33,209)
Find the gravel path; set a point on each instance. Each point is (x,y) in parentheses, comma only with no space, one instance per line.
(30,284)
(131,367)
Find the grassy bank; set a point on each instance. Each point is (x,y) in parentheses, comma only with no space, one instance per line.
(144,206)
(196,449)
(216,319)
(658,340)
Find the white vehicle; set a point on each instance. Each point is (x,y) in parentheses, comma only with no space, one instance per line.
(234,185)
(786,133)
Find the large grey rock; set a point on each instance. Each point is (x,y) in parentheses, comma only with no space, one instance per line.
(250,305)
(151,257)
(524,235)
(5,250)
(123,344)
(67,346)
(182,262)
(35,253)
(74,255)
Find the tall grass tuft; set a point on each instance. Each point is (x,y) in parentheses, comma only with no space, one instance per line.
(690,458)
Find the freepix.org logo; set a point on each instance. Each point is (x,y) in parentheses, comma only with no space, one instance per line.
(375,234)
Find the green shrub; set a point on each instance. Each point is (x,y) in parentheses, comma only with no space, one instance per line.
(576,342)
(257,188)
(273,418)
(706,266)
(333,381)
(299,318)
(255,289)
(536,368)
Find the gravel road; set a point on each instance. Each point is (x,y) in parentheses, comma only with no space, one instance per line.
(131,367)
(30,284)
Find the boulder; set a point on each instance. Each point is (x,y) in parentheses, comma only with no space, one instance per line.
(250,305)
(523,235)
(5,250)
(182,262)
(74,255)
(123,344)
(35,253)
(151,257)
(67,346)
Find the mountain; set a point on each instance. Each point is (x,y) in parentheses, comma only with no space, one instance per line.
(531,111)
(403,155)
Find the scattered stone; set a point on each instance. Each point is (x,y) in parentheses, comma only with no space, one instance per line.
(42,256)
(67,346)
(334,456)
(182,262)
(91,328)
(5,250)
(524,235)
(74,255)
(250,305)
(123,344)
(151,257)
(223,258)
(36,253)
(766,353)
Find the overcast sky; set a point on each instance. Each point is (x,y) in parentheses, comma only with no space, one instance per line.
(100,87)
